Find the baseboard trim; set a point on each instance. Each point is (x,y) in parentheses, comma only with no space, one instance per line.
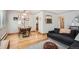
(31,31)
(16,33)
(42,33)
(12,33)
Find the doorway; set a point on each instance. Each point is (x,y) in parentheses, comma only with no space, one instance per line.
(61,22)
(37,24)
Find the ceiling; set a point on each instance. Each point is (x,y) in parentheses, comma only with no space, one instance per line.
(58,11)
(32,11)
(52,11)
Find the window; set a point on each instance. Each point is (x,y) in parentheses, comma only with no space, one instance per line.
(2,20)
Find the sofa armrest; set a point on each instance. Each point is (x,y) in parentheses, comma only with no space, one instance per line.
(51,32)
(74,33)
(66,34)
(56,30)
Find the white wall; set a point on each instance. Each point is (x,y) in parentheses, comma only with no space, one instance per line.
(33,23)
(43,27)
(49,27)
(40,21)
(13,25)
(68,17)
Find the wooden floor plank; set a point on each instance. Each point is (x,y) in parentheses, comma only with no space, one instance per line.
(17,42)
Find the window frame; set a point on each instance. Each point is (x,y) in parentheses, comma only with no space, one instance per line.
(1,19)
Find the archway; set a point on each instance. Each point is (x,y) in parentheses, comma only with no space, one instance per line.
(37,18)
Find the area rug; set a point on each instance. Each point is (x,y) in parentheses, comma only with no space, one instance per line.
(40,44)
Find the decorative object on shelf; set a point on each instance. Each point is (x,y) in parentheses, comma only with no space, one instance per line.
(48,19)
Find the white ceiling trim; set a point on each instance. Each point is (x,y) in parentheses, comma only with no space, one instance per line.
(57,12)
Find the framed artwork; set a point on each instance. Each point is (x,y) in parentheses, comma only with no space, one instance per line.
(15,18)
(48,19)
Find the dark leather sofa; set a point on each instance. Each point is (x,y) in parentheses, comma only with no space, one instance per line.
(66,38)
(75,45)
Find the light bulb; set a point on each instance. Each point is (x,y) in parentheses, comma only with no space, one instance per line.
(22,17)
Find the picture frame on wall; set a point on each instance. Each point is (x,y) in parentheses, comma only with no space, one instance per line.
(48,19)
(15,18)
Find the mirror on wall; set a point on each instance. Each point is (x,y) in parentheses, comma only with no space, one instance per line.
(75,21)
(48,19)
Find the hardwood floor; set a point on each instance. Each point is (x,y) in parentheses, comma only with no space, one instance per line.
(17,42)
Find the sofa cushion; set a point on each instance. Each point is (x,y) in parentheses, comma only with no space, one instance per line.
(56,30)
(61,38)
(66,38)
(65,30)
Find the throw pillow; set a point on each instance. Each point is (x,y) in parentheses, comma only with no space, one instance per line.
(56,30)
(65,30)
(77,38)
